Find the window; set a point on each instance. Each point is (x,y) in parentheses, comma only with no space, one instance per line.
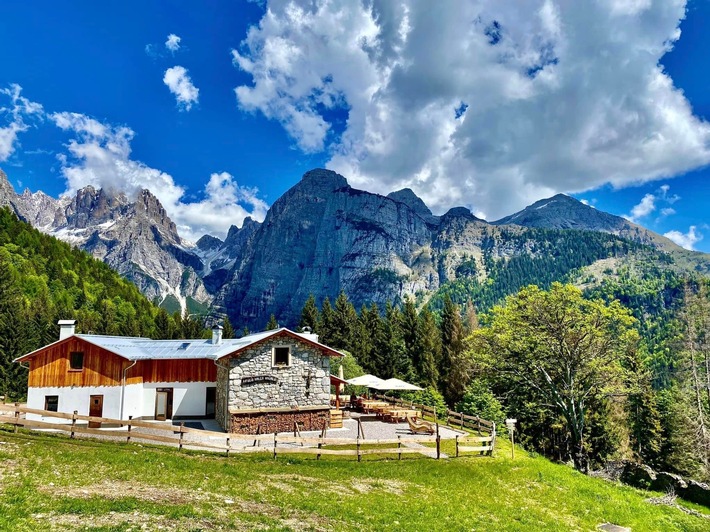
(51,403)
(76,360)
(282,356)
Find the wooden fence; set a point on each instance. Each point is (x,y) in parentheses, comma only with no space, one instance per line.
(190,438)
(453,419)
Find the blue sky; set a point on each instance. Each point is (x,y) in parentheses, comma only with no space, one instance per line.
(468,103)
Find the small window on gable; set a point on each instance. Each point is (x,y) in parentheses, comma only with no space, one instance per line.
(51,403)
(76,360)
(282,356)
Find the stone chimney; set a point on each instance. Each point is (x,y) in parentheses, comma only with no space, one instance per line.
(66,328)
(217,335)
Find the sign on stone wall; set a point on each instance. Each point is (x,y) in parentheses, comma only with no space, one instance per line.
(259,379)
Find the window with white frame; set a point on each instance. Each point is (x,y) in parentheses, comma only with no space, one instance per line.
(281,356)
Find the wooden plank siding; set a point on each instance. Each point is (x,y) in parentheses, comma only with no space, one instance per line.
(191,370)
(50,368)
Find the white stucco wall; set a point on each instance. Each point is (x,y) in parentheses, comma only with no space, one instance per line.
(189,398)
(77,398)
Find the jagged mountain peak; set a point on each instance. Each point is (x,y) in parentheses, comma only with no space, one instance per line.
(322,179)
(564,212)
(414,202)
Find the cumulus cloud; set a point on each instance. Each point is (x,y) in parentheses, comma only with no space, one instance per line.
(100,155)
(685,240)
(180,84)
(487,104)
(648,204)
(173,43)
(20,109)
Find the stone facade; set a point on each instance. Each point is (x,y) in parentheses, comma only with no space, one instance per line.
(258,393)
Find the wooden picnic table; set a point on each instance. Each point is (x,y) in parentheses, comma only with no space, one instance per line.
(400,414)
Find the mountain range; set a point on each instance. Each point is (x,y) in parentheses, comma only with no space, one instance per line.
(323,236)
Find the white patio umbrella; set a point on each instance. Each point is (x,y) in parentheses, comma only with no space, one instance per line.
(369,381)
(396,384)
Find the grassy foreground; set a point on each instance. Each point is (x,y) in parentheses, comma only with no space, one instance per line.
(52,482)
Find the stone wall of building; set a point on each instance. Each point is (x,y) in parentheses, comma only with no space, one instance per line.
(304,383)
(268,422)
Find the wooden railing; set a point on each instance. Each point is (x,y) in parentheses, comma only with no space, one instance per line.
(454,419)
(189,438)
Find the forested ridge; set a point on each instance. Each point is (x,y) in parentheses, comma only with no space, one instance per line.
(43,280)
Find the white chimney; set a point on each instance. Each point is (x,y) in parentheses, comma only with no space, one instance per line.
(66,328)
(307,333)
(217,335)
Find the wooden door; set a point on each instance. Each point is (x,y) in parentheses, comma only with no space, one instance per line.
(96,409)
(210,401)
(161,406)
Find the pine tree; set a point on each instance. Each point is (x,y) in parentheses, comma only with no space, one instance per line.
(227,329)
(362,344)
(163,325)
(273,324)
(343,323)
(410,335)
(374,326)
(454,371)
(430,346)
(397,364)
(325,324)
(310,314)
(471,317)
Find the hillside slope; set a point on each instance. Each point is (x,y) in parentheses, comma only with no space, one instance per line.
(53,481)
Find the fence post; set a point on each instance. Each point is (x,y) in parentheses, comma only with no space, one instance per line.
(457,446)
(438,442)
(478,421)
(493,441)
(227,446)
(182,426)
(399,445)
(358,448)
(461,414)
(320,445)
(274,446)
(128,437)
(73,423)
(17,415)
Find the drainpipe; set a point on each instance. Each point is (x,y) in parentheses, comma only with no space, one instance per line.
(226,395)
(123,387)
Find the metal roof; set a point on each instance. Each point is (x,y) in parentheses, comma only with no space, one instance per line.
(136,348)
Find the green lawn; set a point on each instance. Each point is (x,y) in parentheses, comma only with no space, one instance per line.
(51,481)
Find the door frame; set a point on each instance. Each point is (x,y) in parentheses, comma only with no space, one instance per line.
(168,405)
(208,414)
(96,424)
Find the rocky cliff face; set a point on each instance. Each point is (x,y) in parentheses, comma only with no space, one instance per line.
(323,236)
(134,236)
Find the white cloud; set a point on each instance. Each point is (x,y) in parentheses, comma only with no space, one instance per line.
(643,209)
(648,204)
(685,240)
(20,109)
(562,96)
(180,84)
(173,43)
(100,155)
